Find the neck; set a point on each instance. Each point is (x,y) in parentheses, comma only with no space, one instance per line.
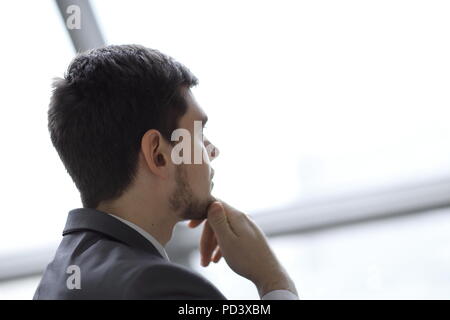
(154,217)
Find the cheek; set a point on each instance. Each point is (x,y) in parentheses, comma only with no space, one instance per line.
(203,173)
(199,152)
(199,176)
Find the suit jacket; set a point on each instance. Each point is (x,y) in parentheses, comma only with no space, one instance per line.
(100,257)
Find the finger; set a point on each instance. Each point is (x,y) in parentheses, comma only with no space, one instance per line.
(217,255)
(217,218)
(208,243)
(207,255)
(237,219)
(195,223)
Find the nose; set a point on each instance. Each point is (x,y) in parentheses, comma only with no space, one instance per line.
(213,151)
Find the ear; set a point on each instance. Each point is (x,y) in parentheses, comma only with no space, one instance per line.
(156,153)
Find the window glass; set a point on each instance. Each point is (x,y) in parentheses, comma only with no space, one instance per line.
(36,190)
(307,99)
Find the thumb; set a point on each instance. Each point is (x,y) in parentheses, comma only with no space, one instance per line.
(217,219)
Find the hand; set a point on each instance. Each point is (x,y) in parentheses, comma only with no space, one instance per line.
(245,248)
(209,249)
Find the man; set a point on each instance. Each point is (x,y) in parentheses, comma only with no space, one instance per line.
(112,119)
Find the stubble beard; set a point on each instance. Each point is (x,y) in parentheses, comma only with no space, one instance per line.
(185,202)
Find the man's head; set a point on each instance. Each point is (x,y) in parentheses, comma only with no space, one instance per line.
(111,119)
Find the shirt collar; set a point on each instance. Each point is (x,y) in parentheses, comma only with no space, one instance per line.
(146,235)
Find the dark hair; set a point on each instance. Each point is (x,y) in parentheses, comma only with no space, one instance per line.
(108,98)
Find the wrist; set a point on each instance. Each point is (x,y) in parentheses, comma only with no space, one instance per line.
(279,281)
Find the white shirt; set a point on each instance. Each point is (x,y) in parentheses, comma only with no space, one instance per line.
(146,235)
(272,295)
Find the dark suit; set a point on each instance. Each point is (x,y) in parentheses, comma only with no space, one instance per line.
(115,262)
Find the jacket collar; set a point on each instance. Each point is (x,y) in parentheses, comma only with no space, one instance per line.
(91,219)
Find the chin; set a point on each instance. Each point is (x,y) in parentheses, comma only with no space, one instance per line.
(198,210)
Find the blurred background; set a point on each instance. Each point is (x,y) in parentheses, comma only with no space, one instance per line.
(332,118)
